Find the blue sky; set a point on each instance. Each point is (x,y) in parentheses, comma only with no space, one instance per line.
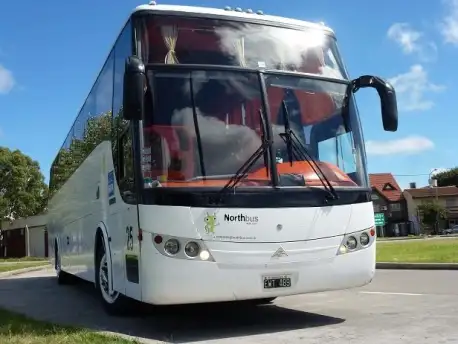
(51,53)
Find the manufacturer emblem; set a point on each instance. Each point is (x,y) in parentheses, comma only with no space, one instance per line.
(280,253)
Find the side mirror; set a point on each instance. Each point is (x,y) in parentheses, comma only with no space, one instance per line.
(134,88)
(387,96)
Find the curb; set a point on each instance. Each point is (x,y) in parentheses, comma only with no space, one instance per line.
(416,266)
(24,270)
(417,238)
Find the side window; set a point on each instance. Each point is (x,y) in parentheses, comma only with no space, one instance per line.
(339,151)
(91,127)
(122,133)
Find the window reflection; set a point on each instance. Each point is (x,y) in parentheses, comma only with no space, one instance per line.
(178,40)
(223,107)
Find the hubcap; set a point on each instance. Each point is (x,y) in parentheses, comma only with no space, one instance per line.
(103,281)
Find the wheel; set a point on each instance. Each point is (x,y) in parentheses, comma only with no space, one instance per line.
(114,303)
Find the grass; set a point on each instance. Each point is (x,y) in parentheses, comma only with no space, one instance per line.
(22,265)
(17,329)
(23,259)
(419,251)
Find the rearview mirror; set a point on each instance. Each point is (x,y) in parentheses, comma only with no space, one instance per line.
(134,88)
(387,96)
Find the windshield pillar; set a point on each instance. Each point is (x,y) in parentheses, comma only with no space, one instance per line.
(268,129)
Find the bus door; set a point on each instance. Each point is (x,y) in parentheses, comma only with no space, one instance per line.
(123,219)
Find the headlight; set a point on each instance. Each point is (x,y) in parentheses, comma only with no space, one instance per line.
(172,247)
(364,239)
(181,248)
(192,249)
(351,243)
(356,241)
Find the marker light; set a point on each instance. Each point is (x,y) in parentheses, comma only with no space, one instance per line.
(158,239)
(204,255)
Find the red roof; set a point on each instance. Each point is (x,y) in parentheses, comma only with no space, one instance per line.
(386,185)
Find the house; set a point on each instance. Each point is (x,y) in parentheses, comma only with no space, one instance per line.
(388,200)
(24,237)
(447,196)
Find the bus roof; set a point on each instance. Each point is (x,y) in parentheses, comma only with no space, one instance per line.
(197,11)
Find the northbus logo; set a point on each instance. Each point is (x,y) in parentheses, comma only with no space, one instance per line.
(251,220)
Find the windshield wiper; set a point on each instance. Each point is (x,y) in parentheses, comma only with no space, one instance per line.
(295,147)
(261,151)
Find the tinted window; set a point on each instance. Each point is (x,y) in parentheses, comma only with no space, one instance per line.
(91,127)
(122,136)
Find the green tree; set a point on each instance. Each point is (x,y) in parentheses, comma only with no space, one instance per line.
(432,212)
(447,178)
(23,191)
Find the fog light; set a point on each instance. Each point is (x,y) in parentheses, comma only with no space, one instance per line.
(172,246)
(351,243)
(192,249)
(364,239)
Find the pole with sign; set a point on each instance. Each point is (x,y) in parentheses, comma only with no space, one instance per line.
(380,221)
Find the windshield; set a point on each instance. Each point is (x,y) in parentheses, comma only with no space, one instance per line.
(185,40)
(201,126)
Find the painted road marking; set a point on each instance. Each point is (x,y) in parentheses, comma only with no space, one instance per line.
(390,293)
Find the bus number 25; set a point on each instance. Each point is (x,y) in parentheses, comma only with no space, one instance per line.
(130,238)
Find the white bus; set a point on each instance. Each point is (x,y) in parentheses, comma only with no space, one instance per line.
(218,157)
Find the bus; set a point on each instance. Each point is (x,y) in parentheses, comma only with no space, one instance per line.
(219,156)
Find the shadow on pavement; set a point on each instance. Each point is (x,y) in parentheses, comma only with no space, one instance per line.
(41,298)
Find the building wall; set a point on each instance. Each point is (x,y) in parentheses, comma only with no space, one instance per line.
(396,216)
(450,203)
(26,243)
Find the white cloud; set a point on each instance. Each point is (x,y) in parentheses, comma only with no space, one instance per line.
(449,25)
(7,81)
(406,146)
(412,89)
(412,41)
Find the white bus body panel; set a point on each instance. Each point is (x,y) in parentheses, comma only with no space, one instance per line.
(243,253)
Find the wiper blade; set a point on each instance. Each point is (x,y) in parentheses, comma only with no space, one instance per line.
(295,147)
(261,151)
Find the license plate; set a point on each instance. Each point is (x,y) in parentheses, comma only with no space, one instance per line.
(277,282)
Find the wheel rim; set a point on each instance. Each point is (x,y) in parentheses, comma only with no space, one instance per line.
(103,281)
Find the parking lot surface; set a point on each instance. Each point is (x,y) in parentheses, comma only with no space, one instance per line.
(397,307)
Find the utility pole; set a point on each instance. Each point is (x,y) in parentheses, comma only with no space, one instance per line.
(433,183)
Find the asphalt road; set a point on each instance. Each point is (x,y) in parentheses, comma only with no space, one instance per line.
(397,307)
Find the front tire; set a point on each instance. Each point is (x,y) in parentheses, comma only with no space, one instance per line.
(114,303)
